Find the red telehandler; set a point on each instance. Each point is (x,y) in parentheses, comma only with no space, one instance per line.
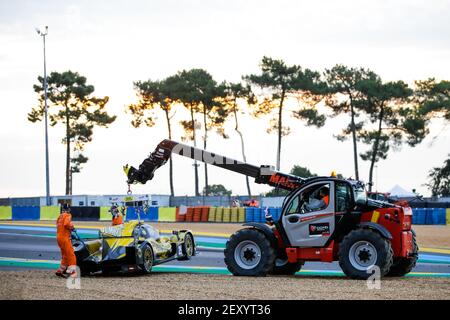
(323,219)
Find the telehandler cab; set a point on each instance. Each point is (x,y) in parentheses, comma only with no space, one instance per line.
(323,219)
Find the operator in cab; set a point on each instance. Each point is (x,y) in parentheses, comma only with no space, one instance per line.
(324,195)
(318,200)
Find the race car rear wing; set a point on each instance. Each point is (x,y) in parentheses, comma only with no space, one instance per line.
(263,174)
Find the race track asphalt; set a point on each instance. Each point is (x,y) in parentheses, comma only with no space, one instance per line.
(20,244)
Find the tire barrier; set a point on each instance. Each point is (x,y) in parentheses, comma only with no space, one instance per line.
(234,215)
(279,213)
(421,216)
(204,214)
(259,215)
(439,216)
(197,214)
(241,214)
(430,216)
(189,214)
(226,215)
(212,214)
(250,214)
(219,214)
(262,215)
(274,213)
(180,217)
(418,216)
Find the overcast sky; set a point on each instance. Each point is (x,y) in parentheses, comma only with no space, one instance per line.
(114,43)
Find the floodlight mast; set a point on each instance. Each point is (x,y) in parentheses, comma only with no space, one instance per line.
(43,34)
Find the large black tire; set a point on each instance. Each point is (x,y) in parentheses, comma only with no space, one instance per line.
(283,267)
(249,253)
(147,258)
(402,266)
(287,268)
(187,248)
(360,250)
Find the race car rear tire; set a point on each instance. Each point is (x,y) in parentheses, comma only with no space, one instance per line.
(187,247)
(248,252)
(147,258)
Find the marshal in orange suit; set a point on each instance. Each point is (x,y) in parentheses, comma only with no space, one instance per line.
(64,227)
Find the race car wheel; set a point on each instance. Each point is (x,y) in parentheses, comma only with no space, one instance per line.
(147,258)
(188,247)
(249,253)
(363,249)
(402,266)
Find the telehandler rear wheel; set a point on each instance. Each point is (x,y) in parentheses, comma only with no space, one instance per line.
(363,249)
(249,253)
(402,266)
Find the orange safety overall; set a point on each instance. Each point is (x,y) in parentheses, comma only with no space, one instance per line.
(64,226)
(254,203)
(326,199)
(117,219)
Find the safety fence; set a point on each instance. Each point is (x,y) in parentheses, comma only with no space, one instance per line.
(429,216)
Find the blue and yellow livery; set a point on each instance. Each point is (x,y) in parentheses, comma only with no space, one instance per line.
(132,246)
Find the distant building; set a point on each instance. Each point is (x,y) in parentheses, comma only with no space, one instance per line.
(80,200)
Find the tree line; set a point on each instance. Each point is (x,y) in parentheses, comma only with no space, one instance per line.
(383,115)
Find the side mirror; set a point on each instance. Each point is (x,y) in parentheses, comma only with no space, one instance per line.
(361,202)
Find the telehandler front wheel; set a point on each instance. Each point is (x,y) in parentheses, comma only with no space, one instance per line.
(362,251)
(249,253)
